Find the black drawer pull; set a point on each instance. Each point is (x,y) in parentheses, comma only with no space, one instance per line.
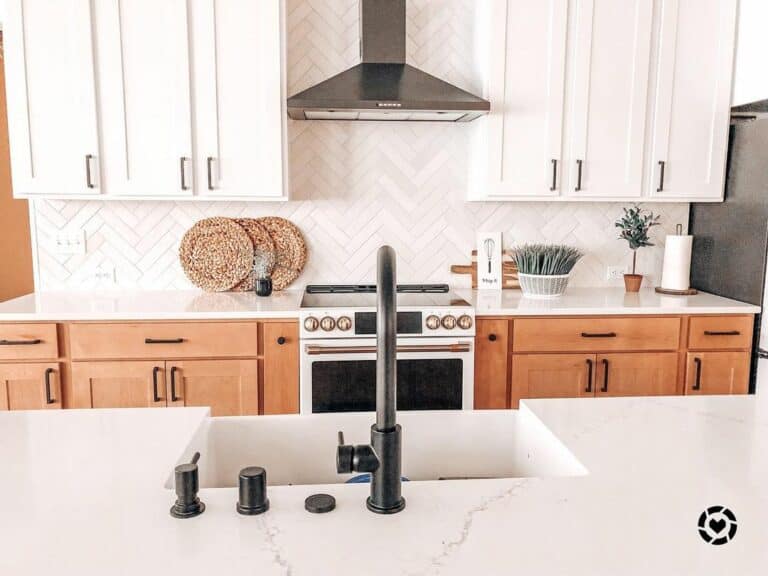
(174,398)
(589,376)
(722,333)
(20,342)
(281,340)
(163,340)
(697,384)
(492,337)
(155,395)
(598,334)
(605,376)
(49,399)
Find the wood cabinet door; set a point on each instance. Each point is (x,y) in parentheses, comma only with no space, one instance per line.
(229,387)
(526,88)
(552,376)
(609,92)
(144,89)
(239,115)
(694,70)
(281,367)
(491,363)
(118,385)
(30,386)
(717,373)
(636,374)
(50,82)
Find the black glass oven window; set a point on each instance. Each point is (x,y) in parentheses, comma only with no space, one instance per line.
(350,385)
(407,322)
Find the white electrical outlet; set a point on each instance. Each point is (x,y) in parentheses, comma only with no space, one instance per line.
(104,275)
(69,242)
(617,272)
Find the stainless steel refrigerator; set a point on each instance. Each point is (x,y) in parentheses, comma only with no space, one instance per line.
(730,245)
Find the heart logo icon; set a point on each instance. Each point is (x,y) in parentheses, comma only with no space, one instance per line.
(717,526)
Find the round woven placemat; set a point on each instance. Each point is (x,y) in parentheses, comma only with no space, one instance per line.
(291,250)
(262,242)
(216,254)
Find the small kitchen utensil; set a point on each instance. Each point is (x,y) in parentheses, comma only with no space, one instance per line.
(489,272)
(489,245)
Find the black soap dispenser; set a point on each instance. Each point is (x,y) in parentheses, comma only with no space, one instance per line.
(187,504)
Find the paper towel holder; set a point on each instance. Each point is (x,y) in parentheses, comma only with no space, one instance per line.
(669,291)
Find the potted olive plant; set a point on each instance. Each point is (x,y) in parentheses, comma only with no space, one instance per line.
(543,269)
(634,226)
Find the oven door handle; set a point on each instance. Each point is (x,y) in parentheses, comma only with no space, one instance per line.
(457,347)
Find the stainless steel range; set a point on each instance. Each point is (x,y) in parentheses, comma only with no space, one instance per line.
(435,348)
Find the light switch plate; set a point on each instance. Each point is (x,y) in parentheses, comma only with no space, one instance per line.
(489,261)
(69,242)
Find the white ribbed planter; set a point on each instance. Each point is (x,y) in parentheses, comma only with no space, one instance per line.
(544,287)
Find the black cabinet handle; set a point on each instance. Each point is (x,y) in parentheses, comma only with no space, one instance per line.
(163,340)
(155,395)
(49,399)
(598,334)
(589,376)
(722,333)
(579,164)
(281,340)
(605,376)
(492,337)
(20,342)
(209,164)
(662,165)
(697,383)
(88,178)
(183,172)
(554,175)
(174,398)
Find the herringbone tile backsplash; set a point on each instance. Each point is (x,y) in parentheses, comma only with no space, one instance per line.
(354,186)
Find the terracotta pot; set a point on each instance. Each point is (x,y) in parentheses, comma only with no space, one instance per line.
(632,282)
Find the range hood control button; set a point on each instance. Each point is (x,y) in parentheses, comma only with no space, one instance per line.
(433,322)
(311,324)
(449,322)
(327,323)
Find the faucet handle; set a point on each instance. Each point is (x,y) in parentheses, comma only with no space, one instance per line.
(360,458)
(345,455)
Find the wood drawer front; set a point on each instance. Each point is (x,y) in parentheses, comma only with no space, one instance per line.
(720,332)
(596,334)
(28,341)
(163,340)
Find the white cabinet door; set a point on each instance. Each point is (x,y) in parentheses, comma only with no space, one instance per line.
(144,85)
(526,91)
(692,101)
(239,115)
(611,61)
(51,97)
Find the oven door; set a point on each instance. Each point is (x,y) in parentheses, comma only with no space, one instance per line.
(432,374)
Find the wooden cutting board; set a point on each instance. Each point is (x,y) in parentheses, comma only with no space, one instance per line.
(509,280)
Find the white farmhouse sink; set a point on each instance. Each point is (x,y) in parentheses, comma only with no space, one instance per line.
(436,446)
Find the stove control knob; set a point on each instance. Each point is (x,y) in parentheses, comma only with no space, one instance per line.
(433,322)
(449,322)
(311,323)
(344,323)
(327,323)
(465,322)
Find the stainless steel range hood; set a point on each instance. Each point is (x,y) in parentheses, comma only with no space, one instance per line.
(383,86)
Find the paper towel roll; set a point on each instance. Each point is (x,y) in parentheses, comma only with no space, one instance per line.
(676,274)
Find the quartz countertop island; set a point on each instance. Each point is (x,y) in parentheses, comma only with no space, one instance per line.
(83,492)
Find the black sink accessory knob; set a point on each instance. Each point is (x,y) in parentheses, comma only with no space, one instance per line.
(252,491)
(187,504)
(320,503)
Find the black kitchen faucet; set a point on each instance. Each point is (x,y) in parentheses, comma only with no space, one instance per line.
(383,456)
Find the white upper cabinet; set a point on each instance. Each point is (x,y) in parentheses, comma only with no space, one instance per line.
(188,95)
(694,74)
(526,89)
(592,99)
(51,97)
(238,98)
(611,60)
(144,81)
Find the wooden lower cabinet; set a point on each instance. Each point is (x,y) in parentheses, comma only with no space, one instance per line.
(30,386)
(638,374)
(552,376)
(281,368)
(491,363)
(127,384)
(717,373)
(229,387)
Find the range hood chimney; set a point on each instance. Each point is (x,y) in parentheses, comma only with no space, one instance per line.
(383,86)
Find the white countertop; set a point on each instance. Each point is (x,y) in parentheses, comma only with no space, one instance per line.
(82,493)
(195,305)
(602,301)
